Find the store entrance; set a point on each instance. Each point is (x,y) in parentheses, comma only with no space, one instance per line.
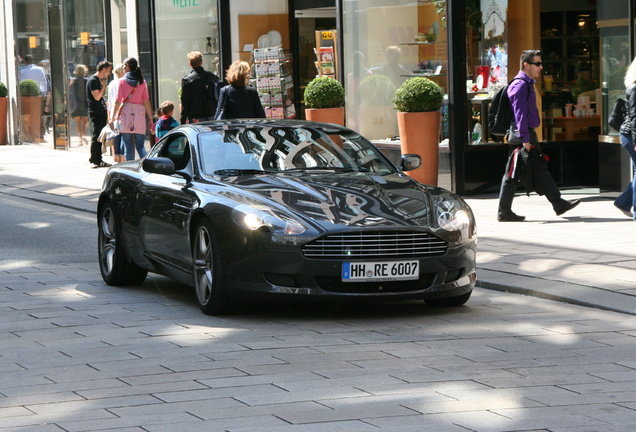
(308,21)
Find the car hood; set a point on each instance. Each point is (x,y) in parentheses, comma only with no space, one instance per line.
(349,199)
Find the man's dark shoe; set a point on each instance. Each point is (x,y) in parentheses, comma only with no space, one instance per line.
(567,206)
(511,217)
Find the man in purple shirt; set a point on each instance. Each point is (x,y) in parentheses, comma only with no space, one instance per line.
(527,164)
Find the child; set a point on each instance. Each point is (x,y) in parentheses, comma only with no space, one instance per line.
(166,122)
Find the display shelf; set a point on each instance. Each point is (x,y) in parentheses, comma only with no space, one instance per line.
(326,53)
(423,75)
(422,43)
(272,76)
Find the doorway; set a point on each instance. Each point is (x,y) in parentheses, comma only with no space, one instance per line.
(308,21)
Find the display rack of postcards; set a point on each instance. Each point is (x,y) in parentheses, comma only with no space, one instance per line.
(273,79)
(326,56)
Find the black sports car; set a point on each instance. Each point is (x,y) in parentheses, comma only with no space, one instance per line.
(283,209)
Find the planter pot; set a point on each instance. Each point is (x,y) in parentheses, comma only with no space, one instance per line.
(419,133)
(31,107)
(3,120)
(325,115)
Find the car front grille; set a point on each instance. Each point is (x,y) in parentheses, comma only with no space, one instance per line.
(375,245)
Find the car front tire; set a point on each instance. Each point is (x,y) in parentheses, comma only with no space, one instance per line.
(115,268)
(208,272)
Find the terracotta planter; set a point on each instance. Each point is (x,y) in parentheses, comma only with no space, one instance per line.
(419,134)
(3,120)
(31,107)
(325,115)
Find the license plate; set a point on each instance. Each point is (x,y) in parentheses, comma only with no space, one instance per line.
(380,271)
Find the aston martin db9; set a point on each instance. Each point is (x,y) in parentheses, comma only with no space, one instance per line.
(283,209)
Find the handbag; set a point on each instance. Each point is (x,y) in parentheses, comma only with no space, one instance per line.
(221,114)
(617,117)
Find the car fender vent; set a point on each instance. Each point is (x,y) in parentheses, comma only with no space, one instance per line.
(376,245)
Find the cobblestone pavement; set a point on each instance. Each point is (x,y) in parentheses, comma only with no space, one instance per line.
(78,355)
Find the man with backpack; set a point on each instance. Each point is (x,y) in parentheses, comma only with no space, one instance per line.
(527,163)
(199,92)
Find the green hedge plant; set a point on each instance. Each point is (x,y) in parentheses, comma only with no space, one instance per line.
(29,87)
(418,94)
(376,90)
(3,90)
(324,92)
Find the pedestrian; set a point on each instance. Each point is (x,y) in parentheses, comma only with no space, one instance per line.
(238,100)
(156,118)
(527,163)
(625,201)
(78,102)
(166,122)
(118,148)
(131,109)
(199,92)
(37,74)
(97,112)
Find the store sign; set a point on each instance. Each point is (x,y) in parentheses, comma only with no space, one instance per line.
(327,35)
(185,3)
(33,41)
(84,38)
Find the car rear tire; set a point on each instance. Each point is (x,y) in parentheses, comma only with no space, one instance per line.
(450,301)
(115,268)
(208,272)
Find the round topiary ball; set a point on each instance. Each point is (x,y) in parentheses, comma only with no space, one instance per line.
(3,90)
(324,92)
(376,90)
(29,87)
(418,94)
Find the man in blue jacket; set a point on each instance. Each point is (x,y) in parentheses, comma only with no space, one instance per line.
(527,164)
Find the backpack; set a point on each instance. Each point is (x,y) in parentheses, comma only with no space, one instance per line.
(213,88)
(617,117)
(500,113)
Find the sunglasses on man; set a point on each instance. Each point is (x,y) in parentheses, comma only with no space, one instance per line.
(535,63)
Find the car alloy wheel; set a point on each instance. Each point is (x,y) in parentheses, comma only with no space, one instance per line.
(113,265)
(208,272)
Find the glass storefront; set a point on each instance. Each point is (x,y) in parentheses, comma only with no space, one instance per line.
(183,26)
(385,43)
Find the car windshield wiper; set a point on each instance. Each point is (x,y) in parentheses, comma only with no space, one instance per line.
(239,171)
(339,169)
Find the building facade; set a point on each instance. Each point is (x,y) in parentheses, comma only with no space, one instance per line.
(469,47)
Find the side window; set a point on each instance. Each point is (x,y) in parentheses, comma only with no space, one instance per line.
(178,151)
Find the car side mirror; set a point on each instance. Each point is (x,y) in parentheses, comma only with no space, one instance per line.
(158,165)
(410,162)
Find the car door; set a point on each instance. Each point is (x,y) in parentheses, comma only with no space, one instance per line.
(165,204)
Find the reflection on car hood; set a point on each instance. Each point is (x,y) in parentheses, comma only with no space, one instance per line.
(351,199)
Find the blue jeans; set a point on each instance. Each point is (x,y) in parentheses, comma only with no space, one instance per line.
(626,200)
(129,151)
(117,145)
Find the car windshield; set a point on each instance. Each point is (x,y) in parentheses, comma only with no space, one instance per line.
(267,148)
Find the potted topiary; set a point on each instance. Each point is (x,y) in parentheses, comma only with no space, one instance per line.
(3,113)
(31,110)
(324,100)
(418,101)
(377,117)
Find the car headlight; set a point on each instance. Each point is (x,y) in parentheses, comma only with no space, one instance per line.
(454,215)
(255,217)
